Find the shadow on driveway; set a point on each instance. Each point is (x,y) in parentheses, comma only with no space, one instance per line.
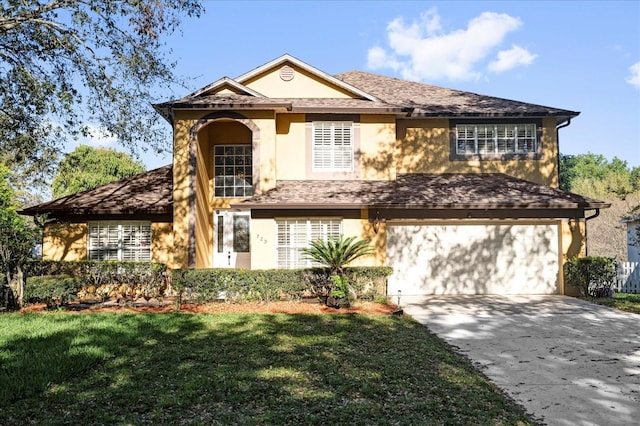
(567,361)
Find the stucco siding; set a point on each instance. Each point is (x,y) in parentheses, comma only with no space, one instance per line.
(302,85)
(162,242)
(423,146)
(64,241)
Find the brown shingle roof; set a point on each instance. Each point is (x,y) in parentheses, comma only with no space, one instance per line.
(428,100)
(421,191)
(147,193)
(395,96)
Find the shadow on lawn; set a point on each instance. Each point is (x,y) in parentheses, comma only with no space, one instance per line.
(243,369)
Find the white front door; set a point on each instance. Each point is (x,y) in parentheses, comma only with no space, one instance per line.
(231,239)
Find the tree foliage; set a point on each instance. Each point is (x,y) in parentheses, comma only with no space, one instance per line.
(17,236)
(87,168)
(66,63)
(592,175)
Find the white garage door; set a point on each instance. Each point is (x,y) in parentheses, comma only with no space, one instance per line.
(473,259)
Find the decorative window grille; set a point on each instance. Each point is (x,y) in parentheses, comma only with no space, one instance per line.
(293,235)
(496,138)
(333,146)
(233,171)
(130,242)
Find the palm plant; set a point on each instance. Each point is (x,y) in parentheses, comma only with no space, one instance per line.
(335,254)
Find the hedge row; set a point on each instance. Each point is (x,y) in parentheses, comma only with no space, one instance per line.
(207,285)
(57,283)
(126,281)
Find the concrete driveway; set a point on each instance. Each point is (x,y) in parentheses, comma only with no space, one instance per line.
(568,362)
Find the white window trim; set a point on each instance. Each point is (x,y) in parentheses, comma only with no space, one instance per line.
(120,239)
(332,148)
(496,139)
(294,246)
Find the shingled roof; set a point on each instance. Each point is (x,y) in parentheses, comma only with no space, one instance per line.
(428,100)
(383,95)
(421,191)
(149,193)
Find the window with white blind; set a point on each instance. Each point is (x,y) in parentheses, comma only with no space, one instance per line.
(127,242)
(293,235)
(333,146)
(520,138)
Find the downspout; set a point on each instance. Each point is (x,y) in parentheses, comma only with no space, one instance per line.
(586,219)
(562,125)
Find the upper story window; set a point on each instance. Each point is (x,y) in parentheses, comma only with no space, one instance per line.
(333,143)
(126,241)
(293,235)
(233,171)
(517,138)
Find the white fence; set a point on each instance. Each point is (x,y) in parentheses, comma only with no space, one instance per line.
(628,277)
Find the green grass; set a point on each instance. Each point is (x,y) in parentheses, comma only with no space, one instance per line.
(624,301)
(61,368)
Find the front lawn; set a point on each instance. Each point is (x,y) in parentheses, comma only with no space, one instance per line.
(624,301)
(248,369)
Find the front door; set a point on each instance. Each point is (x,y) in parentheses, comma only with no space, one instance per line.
(231,239)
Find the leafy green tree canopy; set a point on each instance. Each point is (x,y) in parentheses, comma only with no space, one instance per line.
(87,168)
(595,176)
(66,63)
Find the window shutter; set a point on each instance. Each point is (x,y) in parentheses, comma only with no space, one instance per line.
(333,145)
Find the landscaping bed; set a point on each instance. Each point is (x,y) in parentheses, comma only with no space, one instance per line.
(310,306)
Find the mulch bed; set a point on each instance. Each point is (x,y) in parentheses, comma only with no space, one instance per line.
(312,307)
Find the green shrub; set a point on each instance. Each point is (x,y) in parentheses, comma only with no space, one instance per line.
(120,280)
(236,285)
(54,290)
(592,276)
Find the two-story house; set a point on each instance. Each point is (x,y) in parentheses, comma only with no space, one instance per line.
(458,192)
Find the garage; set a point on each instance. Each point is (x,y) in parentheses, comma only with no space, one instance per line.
(507,257)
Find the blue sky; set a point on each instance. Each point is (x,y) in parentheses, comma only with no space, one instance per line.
(577,55)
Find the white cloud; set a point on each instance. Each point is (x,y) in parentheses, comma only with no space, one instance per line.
(634,78)
(421,50)
(509,59)
(98,136)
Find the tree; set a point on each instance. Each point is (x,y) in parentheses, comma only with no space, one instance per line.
(592,175)
(17,238)
(87,168)
(335,253)
(67,63)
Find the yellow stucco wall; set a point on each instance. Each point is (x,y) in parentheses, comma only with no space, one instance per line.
(263,241)
(68,242)
(162,242)
(303,85)
(291,146)
(572,237)
(208,133)
(64,241)
(376,140)
(423,146)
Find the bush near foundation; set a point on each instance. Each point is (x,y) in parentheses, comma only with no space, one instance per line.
(237,285)
(593,276)
(54,290)
(124,281)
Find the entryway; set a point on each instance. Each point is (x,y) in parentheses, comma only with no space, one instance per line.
(231,236)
